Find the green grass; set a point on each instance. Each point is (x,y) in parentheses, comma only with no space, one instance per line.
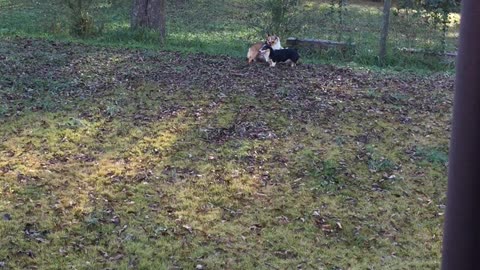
(432,155)
(140,159)
(228,27)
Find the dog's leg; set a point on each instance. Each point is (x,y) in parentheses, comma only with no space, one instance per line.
(266,56)
(272,64)
(251,55)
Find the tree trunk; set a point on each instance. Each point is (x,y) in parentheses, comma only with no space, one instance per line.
(385,24)
(149,14)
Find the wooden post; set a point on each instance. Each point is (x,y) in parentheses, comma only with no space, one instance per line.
(461,240)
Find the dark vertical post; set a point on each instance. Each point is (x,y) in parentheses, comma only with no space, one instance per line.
(461,245)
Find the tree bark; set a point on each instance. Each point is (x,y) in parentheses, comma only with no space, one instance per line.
(385,25)
(149,14)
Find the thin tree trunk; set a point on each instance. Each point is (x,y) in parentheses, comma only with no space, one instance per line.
(385,25)
(149,14)
(444,31)
(342,10)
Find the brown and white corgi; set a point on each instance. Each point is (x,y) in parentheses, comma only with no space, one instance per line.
(254,50)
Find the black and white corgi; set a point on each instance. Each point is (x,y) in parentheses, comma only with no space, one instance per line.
(283,55)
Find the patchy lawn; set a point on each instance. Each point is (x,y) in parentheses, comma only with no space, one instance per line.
(123,159)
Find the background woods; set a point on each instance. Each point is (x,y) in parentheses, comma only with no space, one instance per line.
(420,32)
